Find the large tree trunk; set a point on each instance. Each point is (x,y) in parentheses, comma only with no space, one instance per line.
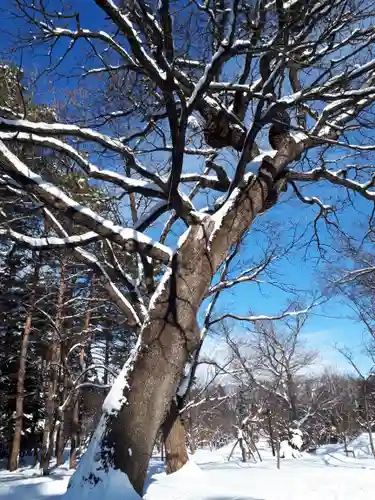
(16,444)
(137,403)
(174,439)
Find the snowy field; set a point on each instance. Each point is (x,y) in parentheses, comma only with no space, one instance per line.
(326,475)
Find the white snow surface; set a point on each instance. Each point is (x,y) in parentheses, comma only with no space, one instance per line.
(326,475)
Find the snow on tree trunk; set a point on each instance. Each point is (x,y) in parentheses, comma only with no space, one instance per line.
(175,440)
(97,477)
(141,396)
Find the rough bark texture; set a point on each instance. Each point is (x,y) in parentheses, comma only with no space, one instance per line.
(174,439)
(171,332)
(16,444)
(168,337)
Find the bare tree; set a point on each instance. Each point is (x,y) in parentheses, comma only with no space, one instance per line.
(306,75)
(366,387)
(274,360)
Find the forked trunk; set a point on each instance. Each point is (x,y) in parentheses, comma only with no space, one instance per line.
(175,442)
(136,406)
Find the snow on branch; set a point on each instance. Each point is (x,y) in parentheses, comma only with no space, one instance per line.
(51,31)
(135,42)
(207,399)
(263,317)
(131,240)
(77,385)
(48,243)
(105,271)
(130,185)
(337,177)
(250,274)
(62,129)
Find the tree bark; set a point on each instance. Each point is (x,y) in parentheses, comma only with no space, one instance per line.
(16,444)
(53,376)
(242,447)
(75,436)
(174,439)
(368,422)
(292,398)
(75,439)
(62,431)
(278,451)
(128,428)
(193,446)
(270,431)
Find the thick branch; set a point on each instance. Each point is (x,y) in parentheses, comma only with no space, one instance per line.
(129,239)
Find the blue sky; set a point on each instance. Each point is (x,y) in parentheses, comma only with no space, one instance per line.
(329,324)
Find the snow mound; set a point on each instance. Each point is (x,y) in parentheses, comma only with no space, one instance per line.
(357,448)
(286,451)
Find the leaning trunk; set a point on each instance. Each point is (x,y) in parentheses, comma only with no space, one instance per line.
(174,438)
(16,444)
(137,404)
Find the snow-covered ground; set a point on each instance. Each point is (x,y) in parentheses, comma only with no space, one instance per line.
(326,475)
